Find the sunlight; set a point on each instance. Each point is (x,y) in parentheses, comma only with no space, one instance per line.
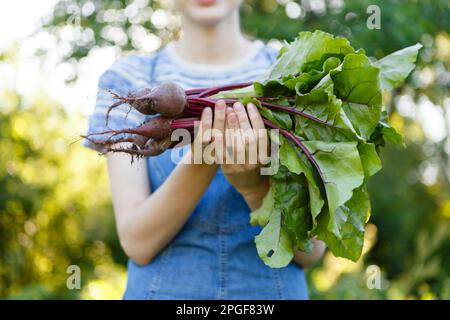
(23,22)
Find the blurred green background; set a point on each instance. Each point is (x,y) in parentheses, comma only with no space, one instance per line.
(55,207)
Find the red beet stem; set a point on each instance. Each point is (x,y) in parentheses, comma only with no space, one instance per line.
(218,89)
(299,143)
(201,101)
(211,103)
(295,111)
(192,92)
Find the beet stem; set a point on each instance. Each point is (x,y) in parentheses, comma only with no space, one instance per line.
(185,123)
(192,92)
(215,90)
(295,111)
(299,143)
(211,102)
(201,101)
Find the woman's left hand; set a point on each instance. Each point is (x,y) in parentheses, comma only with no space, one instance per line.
(245,135)
(246,177)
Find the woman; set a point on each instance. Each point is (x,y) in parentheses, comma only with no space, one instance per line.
(186,227)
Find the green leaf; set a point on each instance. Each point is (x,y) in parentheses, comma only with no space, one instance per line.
(391,134)
(342,172)
(297,222)
(298,164)
(349,241)
(241,93)
(397,66)
(291,197)
(306,80)
(369,158)
(261,216)
(280,118)
(326,63)
(321,103)
(303,82)
(271,88)
(273,244)
(356,83)
(384,131)
(307,47)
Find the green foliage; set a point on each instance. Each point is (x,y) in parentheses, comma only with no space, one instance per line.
(347,87)
(105,23)
(54,204)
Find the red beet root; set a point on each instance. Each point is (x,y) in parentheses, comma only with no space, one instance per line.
(168,99)
(152,148)
(157,128)
(137,140)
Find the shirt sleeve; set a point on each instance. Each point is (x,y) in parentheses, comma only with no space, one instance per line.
(121,78)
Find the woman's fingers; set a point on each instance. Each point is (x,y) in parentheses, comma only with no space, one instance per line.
(235,145)
(219,115)
(202,136)
(206,125)
(218,130)
(241,113)
(238,129)
(259,129)
(249,134)
(232,120)
(255,118)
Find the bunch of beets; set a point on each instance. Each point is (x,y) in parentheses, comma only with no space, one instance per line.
(325,98)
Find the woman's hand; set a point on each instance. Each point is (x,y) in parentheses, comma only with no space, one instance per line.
(234,139)
(245,135)
(208,144)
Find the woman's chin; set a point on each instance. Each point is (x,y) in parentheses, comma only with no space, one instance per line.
(208,16)
(205,3)
(207,20)
(207,12)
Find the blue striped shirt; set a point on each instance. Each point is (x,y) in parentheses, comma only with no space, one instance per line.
(135,72)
